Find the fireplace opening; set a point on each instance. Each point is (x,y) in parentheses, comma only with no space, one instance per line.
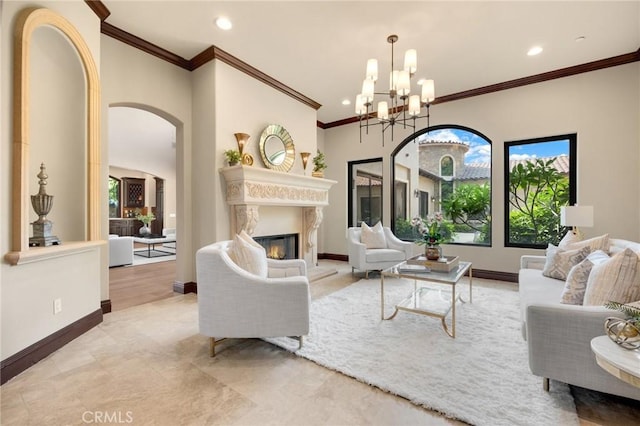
(279,246)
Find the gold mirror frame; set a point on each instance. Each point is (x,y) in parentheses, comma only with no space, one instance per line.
(281,133)
(27,22)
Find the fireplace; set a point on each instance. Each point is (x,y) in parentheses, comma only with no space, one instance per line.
(279,246)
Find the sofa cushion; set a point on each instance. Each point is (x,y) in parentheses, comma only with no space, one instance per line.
(384,255)
(573,242)
(535,288)
(559,262)
(616,279)
(373,237)
(250,258)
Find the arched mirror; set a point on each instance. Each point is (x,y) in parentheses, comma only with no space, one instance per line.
(276,148)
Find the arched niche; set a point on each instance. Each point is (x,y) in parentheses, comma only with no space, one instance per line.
(27,22)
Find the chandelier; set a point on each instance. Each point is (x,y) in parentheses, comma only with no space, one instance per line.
(400,106)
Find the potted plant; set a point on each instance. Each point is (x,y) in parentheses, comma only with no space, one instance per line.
(146,219)
(319,164)
(233,156)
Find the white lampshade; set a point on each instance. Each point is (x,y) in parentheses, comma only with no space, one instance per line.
(361,108)
(414,105)
(393,79)
(411,61)
(367,90)
(372,69)
(576,216)
(404,83)
(428,91)
(383,110)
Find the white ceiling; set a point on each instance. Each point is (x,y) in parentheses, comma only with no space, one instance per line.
(320,49)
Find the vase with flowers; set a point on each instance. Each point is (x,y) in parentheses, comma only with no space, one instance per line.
(146,220)
(431,234)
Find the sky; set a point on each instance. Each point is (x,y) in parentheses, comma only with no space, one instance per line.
(480,149)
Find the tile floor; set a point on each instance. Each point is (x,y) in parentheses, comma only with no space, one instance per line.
(147,365)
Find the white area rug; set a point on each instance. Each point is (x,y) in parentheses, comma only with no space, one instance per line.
(482,377)
(141,260)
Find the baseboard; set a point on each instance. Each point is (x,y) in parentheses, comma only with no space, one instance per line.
(479,273)
(20,361)
(331,256)
(184,288)
(105,305)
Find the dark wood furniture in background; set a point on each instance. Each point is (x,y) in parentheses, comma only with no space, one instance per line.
(133,192)
(124,226)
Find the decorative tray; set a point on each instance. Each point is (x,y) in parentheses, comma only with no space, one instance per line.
(444,264)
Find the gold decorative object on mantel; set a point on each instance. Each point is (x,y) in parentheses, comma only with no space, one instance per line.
(305,160)
(42,204)
(243,140)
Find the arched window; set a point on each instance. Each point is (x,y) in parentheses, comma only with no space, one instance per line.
(453,164)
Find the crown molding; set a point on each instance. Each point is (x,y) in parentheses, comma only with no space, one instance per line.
(145,46)
(214,52)
(98,8)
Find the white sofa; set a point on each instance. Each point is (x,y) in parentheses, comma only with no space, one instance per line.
(234,303)
(120,250)
(559,335)
(365,259)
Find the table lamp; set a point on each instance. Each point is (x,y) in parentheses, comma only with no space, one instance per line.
(576,216)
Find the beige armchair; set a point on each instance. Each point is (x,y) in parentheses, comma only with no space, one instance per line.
(376,259)
(234,303)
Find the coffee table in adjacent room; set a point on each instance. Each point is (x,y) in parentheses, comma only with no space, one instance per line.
(152,251)
(435,299)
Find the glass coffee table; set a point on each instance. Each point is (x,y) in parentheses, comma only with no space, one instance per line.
(434,293)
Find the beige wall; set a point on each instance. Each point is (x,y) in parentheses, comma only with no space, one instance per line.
(602,107)
(133,78)
(28,290)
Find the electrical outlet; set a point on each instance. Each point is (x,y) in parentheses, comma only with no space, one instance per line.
(57,306)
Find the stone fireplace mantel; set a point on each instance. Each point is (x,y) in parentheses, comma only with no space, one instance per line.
(248,188)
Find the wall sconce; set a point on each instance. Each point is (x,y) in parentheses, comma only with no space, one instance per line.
(242,139)
(305,159)
(575,216)
(434,198)
(416,193)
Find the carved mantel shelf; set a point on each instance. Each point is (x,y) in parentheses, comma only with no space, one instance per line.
(250,185)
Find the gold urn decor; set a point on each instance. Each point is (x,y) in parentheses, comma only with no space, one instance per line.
(42,204)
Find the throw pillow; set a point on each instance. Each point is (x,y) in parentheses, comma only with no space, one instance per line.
(596,243)
(576,284)
(250,258)
(617,279)
(373,237)
(243,234)
(559,262)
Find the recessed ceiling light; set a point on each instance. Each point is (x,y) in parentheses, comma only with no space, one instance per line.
(223,23)
(346,102)
(581,38)
(535,50)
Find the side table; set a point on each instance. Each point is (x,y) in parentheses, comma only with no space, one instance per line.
(622,363)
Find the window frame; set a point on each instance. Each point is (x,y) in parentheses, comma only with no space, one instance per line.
(351,192)
(572,138)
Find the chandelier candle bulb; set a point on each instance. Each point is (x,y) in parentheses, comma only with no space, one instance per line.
(383,110)
(393,80)
(411,61)
(414,105)
(360,107)
(372,69)
(428,91)
(367,90)
(404,83)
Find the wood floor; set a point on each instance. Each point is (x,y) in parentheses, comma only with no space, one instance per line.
(135,285)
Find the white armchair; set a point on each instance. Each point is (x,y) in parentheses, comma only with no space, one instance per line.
(364,259)
(120,250)
(233,303)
